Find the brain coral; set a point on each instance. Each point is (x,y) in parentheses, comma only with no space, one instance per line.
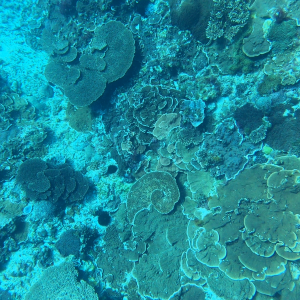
(158,188)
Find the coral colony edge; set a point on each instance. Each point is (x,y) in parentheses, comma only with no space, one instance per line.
(149,149)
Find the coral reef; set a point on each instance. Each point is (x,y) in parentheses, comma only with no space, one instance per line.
(149,149)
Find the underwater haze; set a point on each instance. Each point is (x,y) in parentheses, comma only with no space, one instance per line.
(149,149)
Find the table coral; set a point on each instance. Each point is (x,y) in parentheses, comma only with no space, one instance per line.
(85,82)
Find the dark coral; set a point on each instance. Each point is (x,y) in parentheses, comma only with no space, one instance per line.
(110,294)
(68,7)
(69,244)
(31,174)
(284,134)
(209,19)
(185,14)
(5,295)
(121,265)
(248,118)
(4,175)
(45,257)
(80,119)
(279,14)
(7,244)
(104,218)
(3,84)
(227,18)
(90,235)
(87,89)
(192,15)
(282,35)
(41,181)
(4,256)
(61,74)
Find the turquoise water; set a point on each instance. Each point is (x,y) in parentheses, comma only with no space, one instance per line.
(149,149)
